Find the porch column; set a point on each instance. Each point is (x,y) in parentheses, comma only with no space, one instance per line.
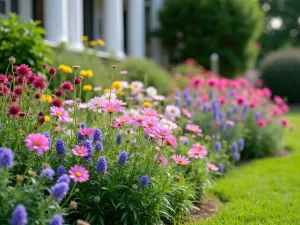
(25,7)
(136,28)
(56,20)
(114,27)
(75,19)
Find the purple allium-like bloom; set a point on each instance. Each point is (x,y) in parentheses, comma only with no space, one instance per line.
(59,191)
(80,138)
(122,158)
(241,144)
(189,101)
(235,109)
(245,111)
(61,170)
(236,156)
(144,180)
(101,165)
(119,139)
(6,157)
(133,143)
(218,146)
(56,220)
(98,146)
(229,113)
(89,146)
(49,138)
(19,216)
(60,147)
(257,115)
(63,178)
(205,109)
(82,125)
(48,173)
(234,147)
(221,167)
(223,126)
(186,142)
(97,136)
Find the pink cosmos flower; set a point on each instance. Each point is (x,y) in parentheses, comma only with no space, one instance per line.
(180,160)
(162,160)
(222,100)
(284,122)
(63,115)
(150,122)
(123,72)
(37,142)
(196,82)
(69,103)
(212,82)
(123,120)
(149,112)
(80,151)
(162,133)
(171,140)
(87,132)
(79,174)
(197,151)
(193,128)
(186,113)
(261,122)
(138,120)
(95,103)
(278,100)
(111,107)
(212,167)
(284,108)
(240,100)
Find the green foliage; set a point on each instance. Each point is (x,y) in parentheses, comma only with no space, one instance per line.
(280,72)
(198,28)
(24,41)
(148,71)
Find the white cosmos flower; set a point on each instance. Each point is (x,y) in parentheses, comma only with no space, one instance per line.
(172,111)
(169,124)
(151,91)
(137,87)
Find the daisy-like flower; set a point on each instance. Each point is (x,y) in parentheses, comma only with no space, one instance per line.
(168,124)
(151,91)
(95,103)
(138,120)
(162,133)
(79,174)
(212,167)
(86,132)
(149,112)
(37,142)
(159,98)
(123,120)
(197,151)
(80,151)
(136,87)
(162,160)
(193,128)
(261,123)
(150,122)
(172,111)
(111,107)
(186,113)
(171,140)
(180,160)
(63,115)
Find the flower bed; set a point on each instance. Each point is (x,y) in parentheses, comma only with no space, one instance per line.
(126,156)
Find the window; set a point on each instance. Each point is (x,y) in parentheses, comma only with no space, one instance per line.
(4,7)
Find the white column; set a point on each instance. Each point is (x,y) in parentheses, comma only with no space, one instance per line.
(114,27)
(136,28)
(56,20)
(75,25)
(156,49)
(25,7)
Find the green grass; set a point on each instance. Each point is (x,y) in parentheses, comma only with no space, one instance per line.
(264,191)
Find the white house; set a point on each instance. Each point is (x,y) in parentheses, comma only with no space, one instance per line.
(120,23)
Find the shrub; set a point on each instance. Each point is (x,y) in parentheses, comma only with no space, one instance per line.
(24,41)
(280,71)
(197,28)
(146,71)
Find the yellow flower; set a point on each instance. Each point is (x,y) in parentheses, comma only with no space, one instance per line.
(120,93)
(92,43)
(117,85)
(130,87)
(89,73)
(87,87)
(101,42)
(46,98)
(106,90)
(83,73)
(85,38)
(65,68)
(47,118)
(147,104)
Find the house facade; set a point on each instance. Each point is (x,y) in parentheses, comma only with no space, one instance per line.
(122,24)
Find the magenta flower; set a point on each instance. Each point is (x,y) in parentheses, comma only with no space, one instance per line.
(193,128)
(86,132)
(162,133)
(171,140)
(197,151)
(261,123)
(123,120)
(80,151)
(60,113)
(79,174)
(284,122)
(138,120)
(37,142)
(180,160)
(186,113)
(111,107)
(162,160)
(212,167)
(150,122)
(149,112)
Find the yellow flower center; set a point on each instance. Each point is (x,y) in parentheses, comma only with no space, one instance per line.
(150,124)
(123,121)
(163,134)
(180,161)
(78,174)
(96,104)
(110,109)
(193,129)
(197,153)
(80,152)
(172,110)
(37,143)
(58,113)
(140,120)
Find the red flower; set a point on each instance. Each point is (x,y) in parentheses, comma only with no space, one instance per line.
(41,120)
(59,93)
(3,79)
(13,110)
(45,66)
(41,114)
(52,71)
(4,89)
(18,90)
(56,102)
(10,77)
(23,70)
(66,86)
(31,78)
(77,81)
(37,96)
(261,122)
(39,83)
(22,80)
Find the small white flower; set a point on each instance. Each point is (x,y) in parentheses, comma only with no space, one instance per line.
(137,87)
(172,111)
(151,91)
(169,124)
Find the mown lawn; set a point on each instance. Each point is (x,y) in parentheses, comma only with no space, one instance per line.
(264,191)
